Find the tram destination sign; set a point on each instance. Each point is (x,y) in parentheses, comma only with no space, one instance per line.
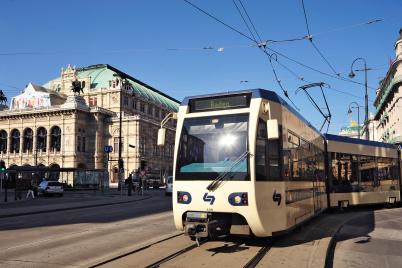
(220,103)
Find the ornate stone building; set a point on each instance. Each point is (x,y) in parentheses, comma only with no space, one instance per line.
(388,101)
(49,126)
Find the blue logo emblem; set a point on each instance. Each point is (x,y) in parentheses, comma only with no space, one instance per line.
(209,198)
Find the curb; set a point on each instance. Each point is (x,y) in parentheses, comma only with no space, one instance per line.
(330,254)
(72,208)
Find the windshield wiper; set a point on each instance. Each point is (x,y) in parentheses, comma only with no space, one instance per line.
(216,182)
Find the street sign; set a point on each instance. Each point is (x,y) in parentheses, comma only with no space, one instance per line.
(108,149)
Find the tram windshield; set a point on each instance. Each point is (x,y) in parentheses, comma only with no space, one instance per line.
(210,146)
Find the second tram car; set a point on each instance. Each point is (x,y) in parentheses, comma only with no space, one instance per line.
(362,172)
(247,163)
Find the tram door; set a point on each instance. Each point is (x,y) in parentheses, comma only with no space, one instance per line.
(317,195)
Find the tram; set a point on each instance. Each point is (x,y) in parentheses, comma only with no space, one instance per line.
(362,172)
(247,163)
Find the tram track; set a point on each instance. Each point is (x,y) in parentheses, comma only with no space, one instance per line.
(135,251)
(174,255)
(258,257)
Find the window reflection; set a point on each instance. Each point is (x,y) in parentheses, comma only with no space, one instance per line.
(358,173)
(210,146)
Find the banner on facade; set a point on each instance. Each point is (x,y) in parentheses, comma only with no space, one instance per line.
(30,99)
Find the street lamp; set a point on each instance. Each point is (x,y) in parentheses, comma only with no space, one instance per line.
(358,115)
(352,75)
(120,160)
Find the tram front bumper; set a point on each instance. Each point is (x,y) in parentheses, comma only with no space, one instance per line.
(200,224)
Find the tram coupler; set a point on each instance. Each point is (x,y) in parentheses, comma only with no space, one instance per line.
(203,225)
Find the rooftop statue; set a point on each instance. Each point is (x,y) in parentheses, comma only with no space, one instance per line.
(77,88)
(3,98)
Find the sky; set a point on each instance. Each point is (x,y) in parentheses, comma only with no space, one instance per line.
(164,44)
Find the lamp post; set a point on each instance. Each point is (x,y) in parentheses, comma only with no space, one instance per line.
(358,115)
(352,75)
(120,160)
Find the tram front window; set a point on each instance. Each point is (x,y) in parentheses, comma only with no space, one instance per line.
(210,146)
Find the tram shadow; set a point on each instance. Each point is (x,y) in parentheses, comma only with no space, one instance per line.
(329,225)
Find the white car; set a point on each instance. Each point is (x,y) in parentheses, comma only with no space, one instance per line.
(169,185)
(51,188)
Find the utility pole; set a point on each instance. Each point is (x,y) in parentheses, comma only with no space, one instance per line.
(351,75)
(120,160)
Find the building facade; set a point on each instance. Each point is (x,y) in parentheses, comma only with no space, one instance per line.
(388,101)
(49,126)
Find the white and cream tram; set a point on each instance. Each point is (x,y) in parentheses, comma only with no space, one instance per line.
(245,163)
(362,172)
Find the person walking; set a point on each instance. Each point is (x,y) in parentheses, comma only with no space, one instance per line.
(140,186)
(30,191)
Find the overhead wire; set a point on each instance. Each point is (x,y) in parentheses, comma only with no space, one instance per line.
(275,51)
(262,47)
(248,27)
(310,38)
(251,22)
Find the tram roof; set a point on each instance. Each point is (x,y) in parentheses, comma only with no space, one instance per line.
(255,94)
(332,137)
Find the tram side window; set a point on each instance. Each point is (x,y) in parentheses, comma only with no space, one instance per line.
(274,165)
(294,164)
(260,159)
(388,174)
(267,158)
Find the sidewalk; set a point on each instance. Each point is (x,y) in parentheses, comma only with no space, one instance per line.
(370,240)
(70,200)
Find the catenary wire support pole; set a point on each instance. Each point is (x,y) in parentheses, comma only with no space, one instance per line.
(327,115)
(358,115)
(352,75)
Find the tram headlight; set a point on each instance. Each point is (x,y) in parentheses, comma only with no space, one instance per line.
(238,199)
(183,197)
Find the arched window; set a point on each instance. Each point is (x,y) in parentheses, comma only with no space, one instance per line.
(15,141)
(55,139)
(41,139)
(28,140)
(3,141)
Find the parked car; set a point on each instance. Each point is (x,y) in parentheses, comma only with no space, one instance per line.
(51,188)
(169,185)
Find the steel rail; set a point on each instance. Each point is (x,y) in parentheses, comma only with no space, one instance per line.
(258,257)
(174,255)
(135,251)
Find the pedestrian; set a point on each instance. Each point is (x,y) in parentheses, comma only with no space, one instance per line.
(140,184)
(30,191)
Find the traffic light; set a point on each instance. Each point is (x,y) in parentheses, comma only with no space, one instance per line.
(2,166)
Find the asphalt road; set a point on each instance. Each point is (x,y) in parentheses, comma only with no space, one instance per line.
(81,237)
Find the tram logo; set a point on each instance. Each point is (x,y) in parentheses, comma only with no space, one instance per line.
(277,197)
(209,198)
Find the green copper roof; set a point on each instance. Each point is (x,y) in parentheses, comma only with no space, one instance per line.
(101,74)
